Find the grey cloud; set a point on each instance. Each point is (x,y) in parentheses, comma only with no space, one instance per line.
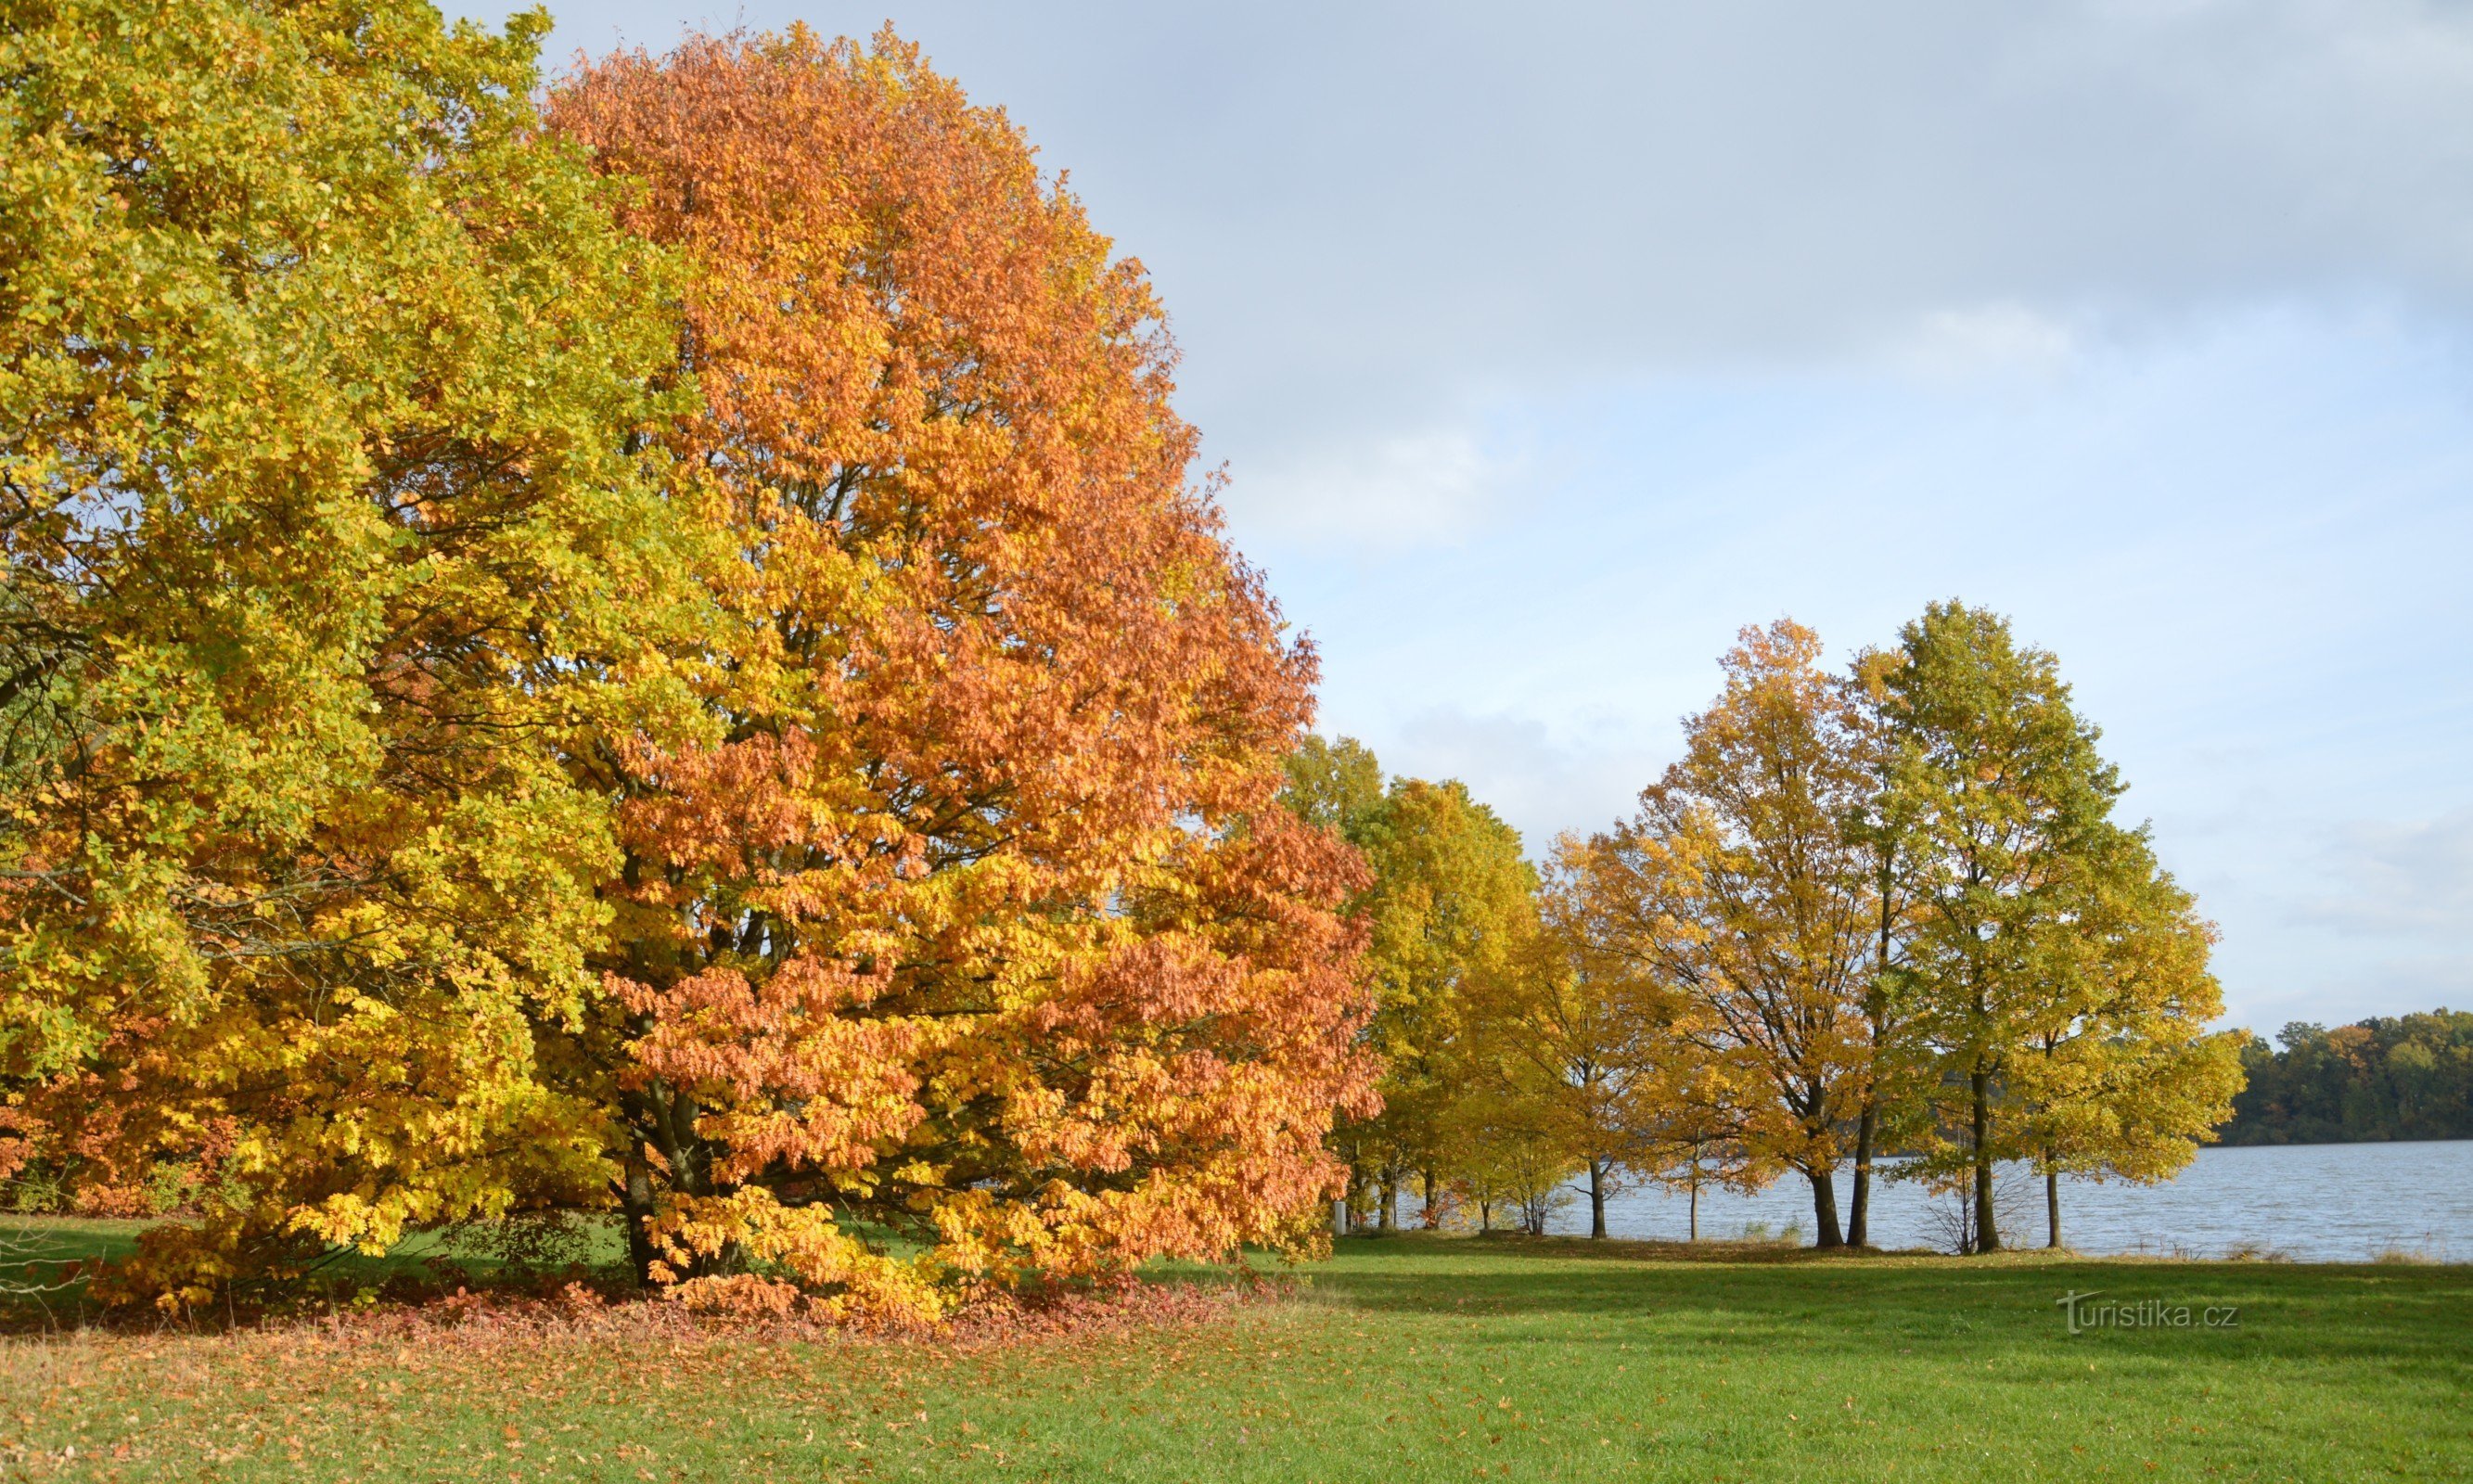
(1370,219)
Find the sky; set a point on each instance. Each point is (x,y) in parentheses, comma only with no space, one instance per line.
(1546,345)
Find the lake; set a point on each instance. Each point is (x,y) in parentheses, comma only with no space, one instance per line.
(2313,1203)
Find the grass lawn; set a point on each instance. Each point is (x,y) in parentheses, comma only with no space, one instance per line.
(1406,1358)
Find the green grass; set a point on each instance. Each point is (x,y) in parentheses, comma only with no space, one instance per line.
(1399,1359)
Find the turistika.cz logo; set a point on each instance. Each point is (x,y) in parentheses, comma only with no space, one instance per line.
(2082,1314)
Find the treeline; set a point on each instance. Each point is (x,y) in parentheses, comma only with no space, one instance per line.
(1884,909)
(652,648)
(2386,1078)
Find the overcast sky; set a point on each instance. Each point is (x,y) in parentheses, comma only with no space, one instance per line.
(1546,345)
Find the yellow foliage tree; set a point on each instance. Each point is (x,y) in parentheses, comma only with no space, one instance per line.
(1741,893)
(328,544)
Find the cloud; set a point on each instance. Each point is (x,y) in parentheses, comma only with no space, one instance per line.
(1540,783)
(1361,215)
(1992,340)
(2401,880)
(1547,344)
(1402,490)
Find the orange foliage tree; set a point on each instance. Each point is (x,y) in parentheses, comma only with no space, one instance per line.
(972,915)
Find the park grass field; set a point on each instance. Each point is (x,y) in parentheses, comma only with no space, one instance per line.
(1401,1358)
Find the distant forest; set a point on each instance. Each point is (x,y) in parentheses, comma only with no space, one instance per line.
(2387,1078)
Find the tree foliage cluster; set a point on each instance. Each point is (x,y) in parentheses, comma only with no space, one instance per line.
(1882,911)
(2398,1077)
(651,647)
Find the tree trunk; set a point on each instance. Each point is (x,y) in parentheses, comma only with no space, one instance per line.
(1696,1198)
(1596,1199)
(1987,1228)
(1876,1013)
(1824,1209)
(636,1206)
(2052,1199)
(1484,1217)
(1391,1200)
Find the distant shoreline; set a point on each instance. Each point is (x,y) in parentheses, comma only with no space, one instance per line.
(2330,1143)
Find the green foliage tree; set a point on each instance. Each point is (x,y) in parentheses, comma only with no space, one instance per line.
(2396,1077)
(2056,976)
(1336,785)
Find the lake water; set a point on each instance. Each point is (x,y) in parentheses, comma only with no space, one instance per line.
(2313,1203)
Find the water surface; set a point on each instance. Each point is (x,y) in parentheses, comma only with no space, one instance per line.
(2313,1203)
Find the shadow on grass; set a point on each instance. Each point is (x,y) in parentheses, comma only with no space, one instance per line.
(1855,1303)
(47,1264)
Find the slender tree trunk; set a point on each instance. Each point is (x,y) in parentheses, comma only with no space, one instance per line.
(1391,1200)
(1484,1217)
(1987,1228)
(2052,1199)
(1696,1198)
(1431,1218)
(1876,1007)
(1597,1198)
(1824,1209)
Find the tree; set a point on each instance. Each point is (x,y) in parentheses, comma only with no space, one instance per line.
(2053,974)
(1336,786)
(1688,1139)
(1509,1148)
(972,913)
(1882,828)
(329,541)
(2120,1078)
(1740,890)
(2387,1077)
(1451,902)
(1595,1029)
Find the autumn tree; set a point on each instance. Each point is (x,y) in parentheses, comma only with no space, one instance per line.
(972,914)
(329,541)
(1592,1027)
(1689,1138)
(1336,787)
(1740,890)
(1451,902)
(1512,1150)
(1447,902)
(2119,1077)
(1881,828)
(2057,979)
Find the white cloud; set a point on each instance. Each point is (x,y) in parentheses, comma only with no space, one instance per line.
(1991,339)
(1409,488)
(1542,784)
